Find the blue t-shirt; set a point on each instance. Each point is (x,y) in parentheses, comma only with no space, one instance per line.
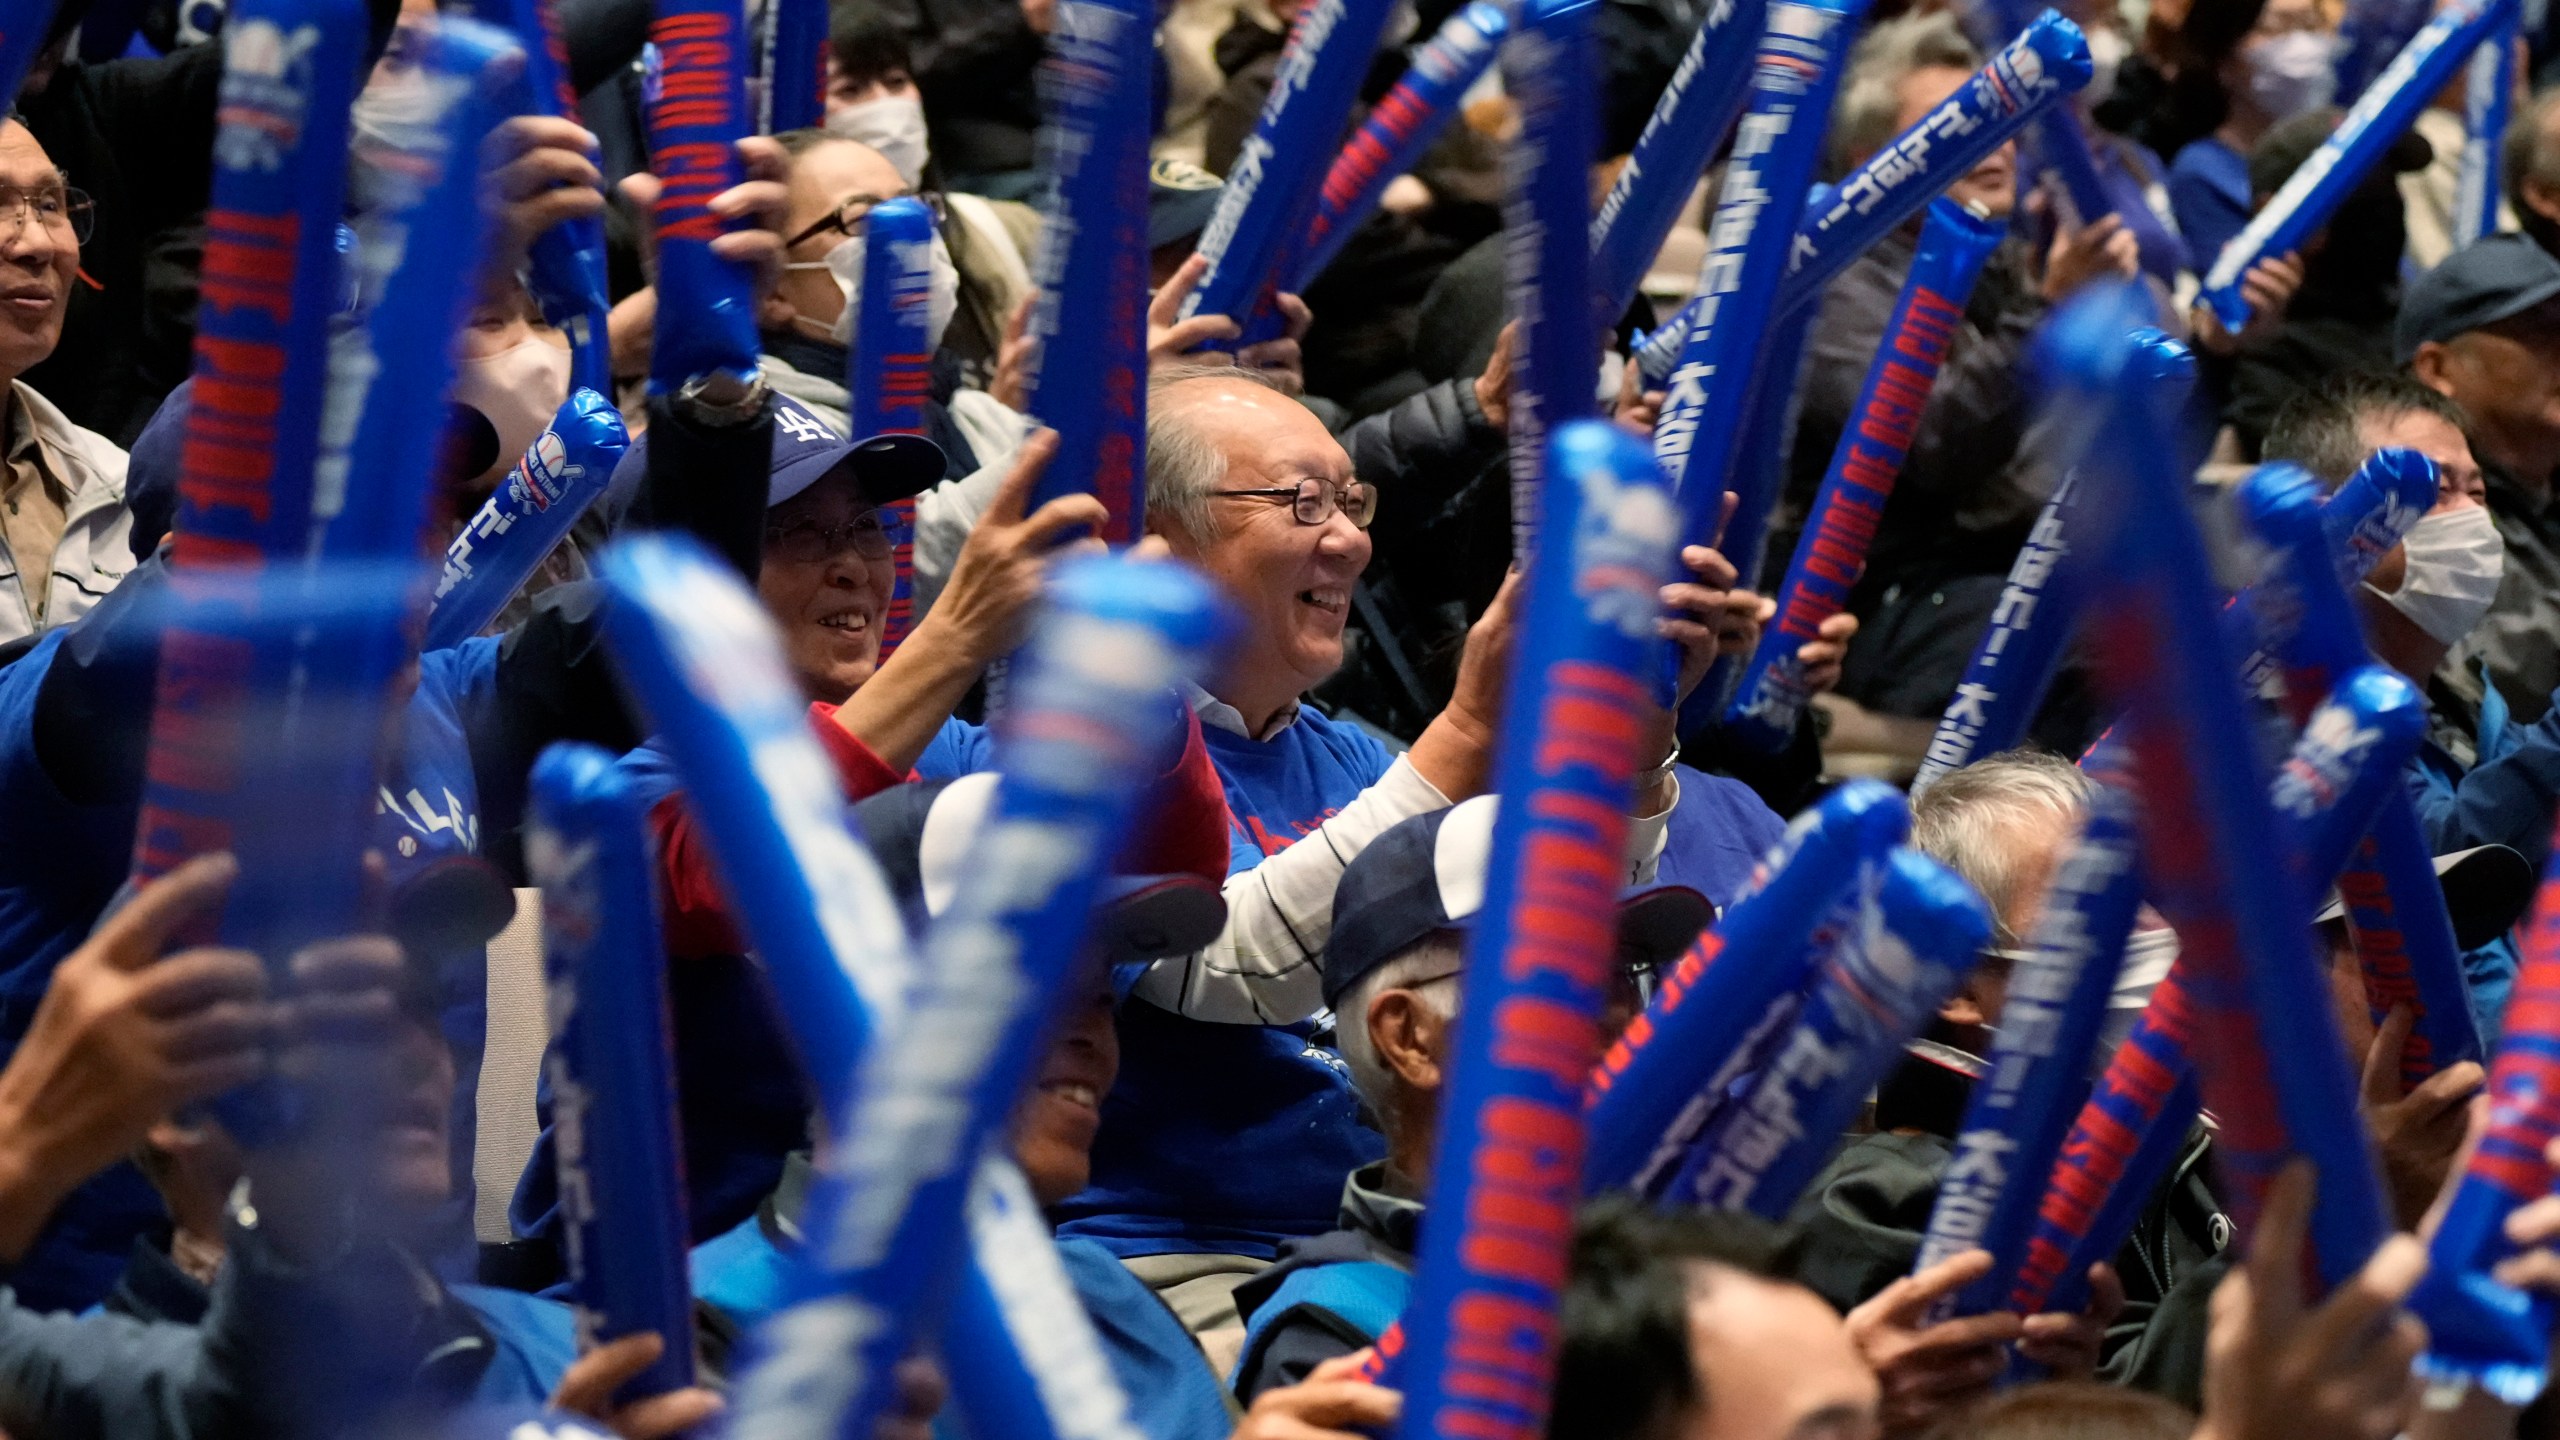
(2209,193)
(1229,1139)
(1716,836)
(1173,1395)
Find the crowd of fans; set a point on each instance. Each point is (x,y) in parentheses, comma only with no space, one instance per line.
(1233,1128)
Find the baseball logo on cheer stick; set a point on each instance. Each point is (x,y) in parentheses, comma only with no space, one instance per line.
(1087,375)
(2396,915)
(565,264)
(697,112)
(613,1082)
(1271,188)
(2479,1331)
(1091,715)
(566,469)
(2047,61)
(791,56)
(1695,113)
(2057,144)
(1478,1352)
(1851,500)
(1660,1082)
(1546,209)
(2322,183)
(1397,132)
(2273,1067)
(1915,932)
(889,370)
(696,648)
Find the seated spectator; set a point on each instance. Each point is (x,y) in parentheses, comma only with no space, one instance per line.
(1971,485)
(2530,168)
(1392,973)
(973,62)
(2483,330)
(2081,1410)
(62,517)
(922,836)
(2340,318)
(2277,68)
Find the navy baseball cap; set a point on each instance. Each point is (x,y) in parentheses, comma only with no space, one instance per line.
(2495,278)
(806,448)
(1180,199)
(1426,874)
(922,835)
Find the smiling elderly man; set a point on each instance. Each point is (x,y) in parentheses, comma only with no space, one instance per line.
(62,515)
(1221,1140)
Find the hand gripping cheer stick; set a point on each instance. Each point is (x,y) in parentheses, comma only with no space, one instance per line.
(1479,1331)
(1090,717)
(1088,373)
(889,371)
(565,470)
(694,645)
(2322,183)
(1397,133)
(612,1073)
(1271,188)
(697,112)
(2273,1067)
(1548,68)
(1851,499)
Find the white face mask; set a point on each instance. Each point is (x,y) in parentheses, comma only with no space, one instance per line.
(2292,72)
(845,263)
(890,124)
(2456,558)
(2107,52)
(518,391)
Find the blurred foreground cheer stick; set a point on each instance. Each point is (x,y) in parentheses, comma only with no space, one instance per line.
(565,470)
(23,27)
(2489,89)
(889,371)
(1479,1332)
(1399,130)
(698,652)
(1663,1079)
(791,61)
(2322,183)
(1914,932)
(1087,377)
(1842,520)
(1548,68)
(2273,1067)
(2480,1332)
(1093,715)
(613,1082)
(1271,188)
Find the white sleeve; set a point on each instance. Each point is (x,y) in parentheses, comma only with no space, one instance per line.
(1263,967)
(946,513)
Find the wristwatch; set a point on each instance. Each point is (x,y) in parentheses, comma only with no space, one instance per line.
(721,398)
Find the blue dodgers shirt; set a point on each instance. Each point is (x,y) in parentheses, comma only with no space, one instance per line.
(1717,836)
(1229,1139)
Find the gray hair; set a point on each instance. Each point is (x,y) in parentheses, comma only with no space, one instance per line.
(2526,157)
(1969,820)
(1183,466)
(1870,103)
(1433,955)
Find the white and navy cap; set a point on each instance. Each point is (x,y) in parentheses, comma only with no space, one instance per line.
(1426,874)
(806,447)
(922,835)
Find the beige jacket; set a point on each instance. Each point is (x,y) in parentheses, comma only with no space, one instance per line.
(95,552)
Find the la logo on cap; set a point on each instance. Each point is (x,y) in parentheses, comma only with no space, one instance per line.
(802,426)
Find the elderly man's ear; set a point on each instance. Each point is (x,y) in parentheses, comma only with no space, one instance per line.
(1409,1036)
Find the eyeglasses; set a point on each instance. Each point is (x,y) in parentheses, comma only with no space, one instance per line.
(59,208)
(851,210)
(1313,501)
(806,542)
